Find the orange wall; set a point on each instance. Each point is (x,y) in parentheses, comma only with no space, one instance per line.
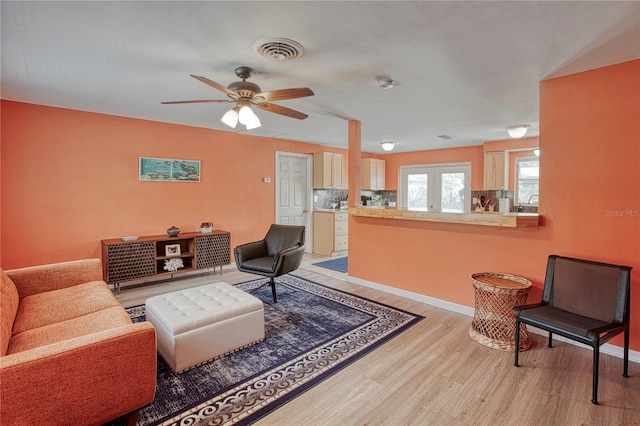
(70,179)
(473,155)
(511,144)
(590,166)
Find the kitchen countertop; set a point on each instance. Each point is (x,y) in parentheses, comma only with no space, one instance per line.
(506,220)
(331,210)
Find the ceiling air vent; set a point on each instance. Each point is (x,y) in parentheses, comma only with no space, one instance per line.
(278,49)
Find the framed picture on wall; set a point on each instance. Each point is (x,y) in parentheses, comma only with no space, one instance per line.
(168,170)
(172,250)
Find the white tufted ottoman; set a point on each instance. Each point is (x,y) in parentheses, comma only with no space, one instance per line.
(199,324)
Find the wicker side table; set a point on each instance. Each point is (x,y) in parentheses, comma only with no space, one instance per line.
(493,323)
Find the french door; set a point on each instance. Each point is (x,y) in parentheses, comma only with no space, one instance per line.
(436,187)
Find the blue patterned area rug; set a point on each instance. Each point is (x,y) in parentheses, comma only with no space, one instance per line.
(339,264)
(311,333)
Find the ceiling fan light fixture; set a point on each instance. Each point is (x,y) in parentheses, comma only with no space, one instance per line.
(254,123)
(245,115)
(517,131)
(245,94)
(388,145)
(230,118)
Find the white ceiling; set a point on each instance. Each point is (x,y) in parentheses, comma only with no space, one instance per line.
(463,69)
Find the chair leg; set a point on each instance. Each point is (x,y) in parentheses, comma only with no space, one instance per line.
(625,371)
(517,348)
(550,343)
(270,283)
(273,290)
(596,363)
(266,283)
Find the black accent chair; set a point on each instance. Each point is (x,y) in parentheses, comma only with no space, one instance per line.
(584,301)
(279,253)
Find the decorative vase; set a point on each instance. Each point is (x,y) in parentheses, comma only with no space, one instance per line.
(173,231)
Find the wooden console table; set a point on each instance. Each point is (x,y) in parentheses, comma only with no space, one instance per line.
(145,257)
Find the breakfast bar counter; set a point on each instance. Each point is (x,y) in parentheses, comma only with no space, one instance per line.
(505,220)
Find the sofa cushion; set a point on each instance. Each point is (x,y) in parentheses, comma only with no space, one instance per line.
(94,322)
(9,300)
(38,310)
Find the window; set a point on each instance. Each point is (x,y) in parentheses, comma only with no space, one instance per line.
(435,187)
(527,177)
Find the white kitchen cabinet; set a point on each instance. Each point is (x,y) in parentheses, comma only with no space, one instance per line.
(372,174)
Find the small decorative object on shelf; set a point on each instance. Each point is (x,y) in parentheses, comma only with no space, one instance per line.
(173,264)
(173,231)
(172,249)
(206,227)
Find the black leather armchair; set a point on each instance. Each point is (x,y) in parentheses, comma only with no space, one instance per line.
(585,301)
(279,253)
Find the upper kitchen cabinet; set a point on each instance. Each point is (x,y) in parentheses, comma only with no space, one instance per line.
(328,170)
(372,174)
(494,172)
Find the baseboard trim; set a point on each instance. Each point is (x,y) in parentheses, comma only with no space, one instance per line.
(607,348)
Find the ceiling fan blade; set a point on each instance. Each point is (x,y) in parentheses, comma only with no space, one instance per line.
(280,95)
(215,85)
(278,109)
(197,101)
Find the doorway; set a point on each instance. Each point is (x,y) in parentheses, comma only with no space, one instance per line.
(294,192)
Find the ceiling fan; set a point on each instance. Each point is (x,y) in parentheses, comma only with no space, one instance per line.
(245,94)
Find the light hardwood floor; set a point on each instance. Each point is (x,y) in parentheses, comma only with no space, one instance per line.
(435,374)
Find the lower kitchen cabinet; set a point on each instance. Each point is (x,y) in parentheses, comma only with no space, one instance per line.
(330,232)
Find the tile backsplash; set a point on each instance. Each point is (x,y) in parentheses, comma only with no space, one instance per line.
(367,197)
(322,198)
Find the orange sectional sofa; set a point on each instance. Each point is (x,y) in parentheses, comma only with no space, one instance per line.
(69,353)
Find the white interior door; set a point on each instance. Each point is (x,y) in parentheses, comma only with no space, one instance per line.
(293,192)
